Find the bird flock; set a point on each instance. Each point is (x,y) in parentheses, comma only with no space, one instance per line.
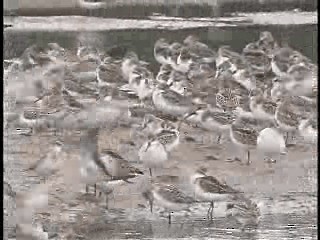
(258,99)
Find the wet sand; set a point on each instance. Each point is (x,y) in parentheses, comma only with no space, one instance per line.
(70,208)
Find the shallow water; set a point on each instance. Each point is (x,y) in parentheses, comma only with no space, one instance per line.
(287,196)
(300,37)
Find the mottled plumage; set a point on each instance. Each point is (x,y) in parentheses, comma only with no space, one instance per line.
(210,184)
(226,99)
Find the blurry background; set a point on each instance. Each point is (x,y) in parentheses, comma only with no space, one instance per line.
(143,8)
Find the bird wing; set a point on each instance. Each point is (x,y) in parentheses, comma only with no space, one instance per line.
(212,185)
(173,194)
(175,98)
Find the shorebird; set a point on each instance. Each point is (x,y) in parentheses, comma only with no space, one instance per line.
(33,56)
(129,63)
(200,50)
(47,164)
(280,62)
(169,197)
(33,119)
(109,72)
(106,188)
(170,102)
(117,166)
(225,53)
(202,73)
(155,152)
(90,162)
(245,213)
(142,83)
(60,54)
(184,60)
(7,189)
(308,129)
(245,131)
(162,51)
(267,43)
(227,100)
(213,120)
(109,76)
(270,143)
(164,73)
(87,52)
(153,125)
(175,48)
(287,119)
(261,107)
(299,80)
(210,189)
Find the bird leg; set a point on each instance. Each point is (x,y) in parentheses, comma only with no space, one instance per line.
(95,189)
(169,217)
(287,137)
(87,188)
(211,213)
(107,206)
(208,213)
(248,162)
(219,138)
(150,171)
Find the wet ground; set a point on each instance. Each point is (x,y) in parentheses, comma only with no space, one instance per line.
(286,192)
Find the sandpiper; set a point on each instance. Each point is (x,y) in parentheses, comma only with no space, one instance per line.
(246,213)
(129,63)
(33,56)
(169,197)
(171,102)
(109,72)
(280,62)
(287,119)
(213,120)
(200,50)
(47,165)
(262,107)
(226,80)
(162,51)
(299,80)
(109,76)
(267,43)
(164,73)
(227,100)
(153,125)
(308,129)
(271,143)
(202,73)
(61,54)
(87,52)
(33,119)
(155,152)
(225,53)
(184,60)
(142,83)
(90,162)
(210,189)
(245,132)
(117,166)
